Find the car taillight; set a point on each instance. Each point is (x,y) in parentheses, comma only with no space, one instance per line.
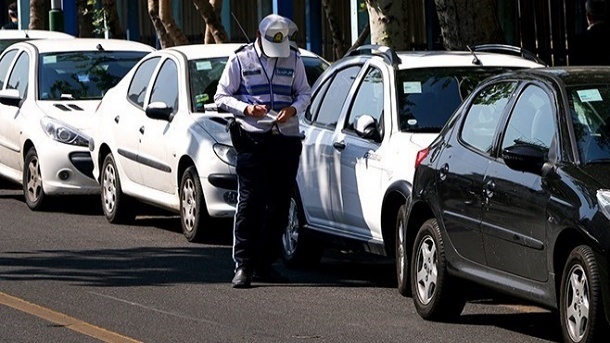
(420,156)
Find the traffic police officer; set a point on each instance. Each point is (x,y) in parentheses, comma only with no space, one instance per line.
(265,86)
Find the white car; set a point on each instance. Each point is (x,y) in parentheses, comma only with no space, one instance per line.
(8,37)
(160,139)
(49,89)
(370,113)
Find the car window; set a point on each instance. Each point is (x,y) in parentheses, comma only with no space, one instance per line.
(335,96)
(203,78)
(82,75)
(19,76)
(484,114)
(166,87)
(590,109)
(428,97)
(5,63)
(314,67)
(316,100)
(140,80)
(531,121)
(368,99)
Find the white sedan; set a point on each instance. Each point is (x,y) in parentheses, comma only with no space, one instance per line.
(49,90)
(160,139)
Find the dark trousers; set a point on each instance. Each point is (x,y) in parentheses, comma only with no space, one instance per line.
(266,172)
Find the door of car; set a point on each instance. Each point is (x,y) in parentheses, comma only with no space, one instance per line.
(358,174)
(318,194)
(128,121)
(7,114)
(156,140)
(12,116)
(515,202)
(459,188)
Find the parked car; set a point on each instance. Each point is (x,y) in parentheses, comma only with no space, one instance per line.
(161,140)
(370,113)
(49,89)
(8,37)
(514,195)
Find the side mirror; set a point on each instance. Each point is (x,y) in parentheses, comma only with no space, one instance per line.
(525,157)
(159,110)
(366,127)
(10,97)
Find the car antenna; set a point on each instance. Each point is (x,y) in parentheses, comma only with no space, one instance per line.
(241,28)
(475,60)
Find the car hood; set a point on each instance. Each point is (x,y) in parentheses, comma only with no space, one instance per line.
(598,173)
(79,114)
(215,125)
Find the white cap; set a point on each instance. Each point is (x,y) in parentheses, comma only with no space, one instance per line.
(274,36)
(293,32)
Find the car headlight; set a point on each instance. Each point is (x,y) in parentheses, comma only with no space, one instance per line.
(603,200)
(63,133)
(226,153)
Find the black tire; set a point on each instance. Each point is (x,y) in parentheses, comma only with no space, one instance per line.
(581,285)
(299,250)
(402,253)
(118,208)
(33,191)
(193,212)
(435,292)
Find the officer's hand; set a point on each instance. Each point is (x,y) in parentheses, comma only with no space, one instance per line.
(256,111)
(286,113)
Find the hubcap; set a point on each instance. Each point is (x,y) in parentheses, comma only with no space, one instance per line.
(577,303)
(34,180)
(109,188)
(189,205)
(427,270)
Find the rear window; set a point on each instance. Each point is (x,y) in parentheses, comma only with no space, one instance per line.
(428,97)
(82,75)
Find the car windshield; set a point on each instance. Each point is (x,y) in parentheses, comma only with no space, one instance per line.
(5,43)
(590,108)
(314,67)
(428,97)
(82,75)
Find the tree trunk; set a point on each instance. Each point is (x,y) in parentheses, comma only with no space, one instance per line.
(338,43)
(153,12)
(165,14)
(112,19)
(465,22)
(388,19)
(37,12)
(212,21)
(209,36)
(366,31)
(85,18)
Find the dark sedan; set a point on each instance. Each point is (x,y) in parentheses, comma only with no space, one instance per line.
(514,195)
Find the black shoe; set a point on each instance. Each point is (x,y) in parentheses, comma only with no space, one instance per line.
(270,275)
(242,278)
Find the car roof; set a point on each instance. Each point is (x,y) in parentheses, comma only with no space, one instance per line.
(86,44)
(569,75)
(32,34)
(423,59)
(196,51)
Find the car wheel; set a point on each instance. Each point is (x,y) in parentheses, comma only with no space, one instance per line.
(193,214)
(118,207)
(298,248)
(402,260)
(32,181)
(434,295)
(581,308)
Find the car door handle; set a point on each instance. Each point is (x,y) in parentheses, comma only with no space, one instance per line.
(116,119)
(490,187)
(142,129)
(339,145)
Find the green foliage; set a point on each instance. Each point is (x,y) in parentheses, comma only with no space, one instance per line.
(97,15)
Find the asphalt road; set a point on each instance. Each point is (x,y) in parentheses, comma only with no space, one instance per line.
(67,275)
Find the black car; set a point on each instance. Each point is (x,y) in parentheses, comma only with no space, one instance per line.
(514,195)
